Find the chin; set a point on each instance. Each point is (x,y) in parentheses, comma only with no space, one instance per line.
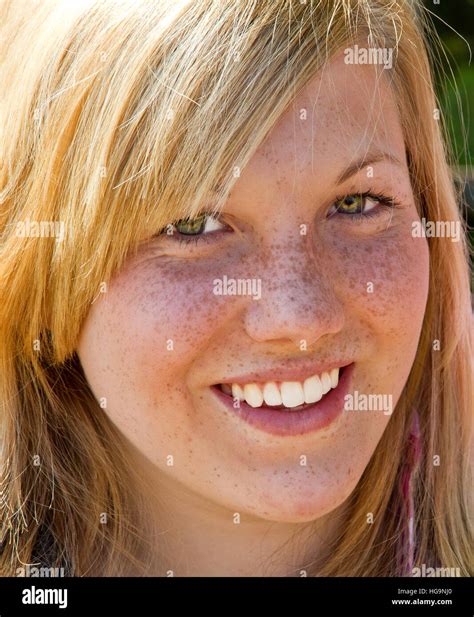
(299,508)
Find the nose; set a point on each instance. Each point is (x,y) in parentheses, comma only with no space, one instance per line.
(298,301)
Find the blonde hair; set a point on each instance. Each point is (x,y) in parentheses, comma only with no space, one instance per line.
(120,117)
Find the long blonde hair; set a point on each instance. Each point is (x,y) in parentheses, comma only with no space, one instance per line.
(120,117)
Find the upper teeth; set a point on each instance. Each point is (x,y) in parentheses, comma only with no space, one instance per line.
(287,393)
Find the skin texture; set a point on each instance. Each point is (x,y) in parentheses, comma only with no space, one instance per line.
(315,287)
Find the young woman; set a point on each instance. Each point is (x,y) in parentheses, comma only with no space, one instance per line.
(228,344)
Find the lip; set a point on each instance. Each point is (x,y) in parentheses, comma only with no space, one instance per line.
(300,373)
(312,419)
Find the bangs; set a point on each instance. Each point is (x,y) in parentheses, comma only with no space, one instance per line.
(181,101)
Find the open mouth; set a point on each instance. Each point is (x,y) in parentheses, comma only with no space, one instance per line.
(285,395)
(289,408)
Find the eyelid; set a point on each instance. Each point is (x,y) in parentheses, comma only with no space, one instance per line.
(189,219)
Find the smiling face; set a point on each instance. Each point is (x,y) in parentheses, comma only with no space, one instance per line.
(320,220)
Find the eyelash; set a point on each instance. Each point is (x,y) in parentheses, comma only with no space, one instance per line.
(384,201)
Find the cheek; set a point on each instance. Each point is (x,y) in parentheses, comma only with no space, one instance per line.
(154,321)
(383,281)
(136,348)
(383,284)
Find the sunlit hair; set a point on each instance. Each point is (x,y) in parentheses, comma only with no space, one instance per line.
(119,118)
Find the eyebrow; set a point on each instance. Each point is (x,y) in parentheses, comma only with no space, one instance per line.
(368,159)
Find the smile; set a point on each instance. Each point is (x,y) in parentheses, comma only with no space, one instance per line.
(289,407)
(286,394)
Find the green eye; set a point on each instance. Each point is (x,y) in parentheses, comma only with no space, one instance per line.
(199,227)
(351,204)
(191,227)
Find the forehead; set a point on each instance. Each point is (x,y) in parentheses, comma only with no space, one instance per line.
(341,113)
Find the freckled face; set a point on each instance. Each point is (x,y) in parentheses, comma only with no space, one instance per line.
(350,286)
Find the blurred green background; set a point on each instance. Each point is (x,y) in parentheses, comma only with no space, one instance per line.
(453,21)
(458,41)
